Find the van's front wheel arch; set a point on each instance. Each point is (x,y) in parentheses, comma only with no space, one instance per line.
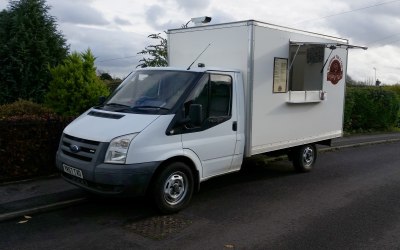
(173,187)
(304,157)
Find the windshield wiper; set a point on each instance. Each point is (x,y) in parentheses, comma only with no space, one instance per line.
(127,108)
(149,107)
(117,105)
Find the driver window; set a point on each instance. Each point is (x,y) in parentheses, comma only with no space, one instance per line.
(214,93)
(220,95)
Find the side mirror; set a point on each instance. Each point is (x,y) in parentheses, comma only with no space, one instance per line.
(102,99)
(196,114)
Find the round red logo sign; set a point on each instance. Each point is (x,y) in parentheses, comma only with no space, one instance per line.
(335,70)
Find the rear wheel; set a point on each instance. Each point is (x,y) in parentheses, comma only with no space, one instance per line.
(173,188)
(304,158)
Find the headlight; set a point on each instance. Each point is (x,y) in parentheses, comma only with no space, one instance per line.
(118,149)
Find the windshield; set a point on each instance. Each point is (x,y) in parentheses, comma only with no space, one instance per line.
(150,91)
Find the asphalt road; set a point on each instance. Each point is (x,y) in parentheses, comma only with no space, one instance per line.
(350,201)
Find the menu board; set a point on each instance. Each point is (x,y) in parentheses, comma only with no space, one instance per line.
(280,74)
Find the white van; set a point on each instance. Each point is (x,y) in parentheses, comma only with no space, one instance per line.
(259,88)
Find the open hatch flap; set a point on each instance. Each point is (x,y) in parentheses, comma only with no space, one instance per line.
(329,45)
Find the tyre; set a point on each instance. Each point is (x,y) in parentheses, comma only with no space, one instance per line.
(173,188)
(304,158)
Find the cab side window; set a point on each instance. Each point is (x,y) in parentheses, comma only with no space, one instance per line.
(214,94)
(220,95)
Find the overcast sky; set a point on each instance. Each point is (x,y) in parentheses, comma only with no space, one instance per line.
(116,30)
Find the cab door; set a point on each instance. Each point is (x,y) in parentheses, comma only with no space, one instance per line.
(214,139)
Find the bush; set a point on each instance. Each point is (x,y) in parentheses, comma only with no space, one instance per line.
(75,86)
(370,108)
(396,89)
(28,148)
(25,110)
(29,137)
(348,110)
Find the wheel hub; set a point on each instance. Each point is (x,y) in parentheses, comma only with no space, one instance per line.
(308,156)
(175,188)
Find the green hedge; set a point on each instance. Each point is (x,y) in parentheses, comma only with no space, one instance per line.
(25,110)
(29,137)
(370,109)
(28,148)
(395,89)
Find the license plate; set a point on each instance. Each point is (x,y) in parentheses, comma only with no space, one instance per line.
(72,171)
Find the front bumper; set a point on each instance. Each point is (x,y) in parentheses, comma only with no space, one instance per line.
(109,179)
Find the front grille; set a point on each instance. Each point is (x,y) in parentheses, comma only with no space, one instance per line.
(79,148)
(81,140)
(90,150)
(77,156)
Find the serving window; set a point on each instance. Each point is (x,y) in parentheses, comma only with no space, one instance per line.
(306,63)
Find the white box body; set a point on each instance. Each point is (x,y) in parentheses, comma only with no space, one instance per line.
(274,120)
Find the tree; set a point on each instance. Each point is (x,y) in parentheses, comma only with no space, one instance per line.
(75,86)
(29,45)
(105,76)
(156,55)
(110,82)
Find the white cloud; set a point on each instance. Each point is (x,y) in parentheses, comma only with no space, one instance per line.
(121,21)
(3,4)
(77,12)
(383,58)
(153,15)
(193,5)
(115,50)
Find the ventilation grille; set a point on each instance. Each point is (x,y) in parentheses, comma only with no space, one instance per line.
(105,115)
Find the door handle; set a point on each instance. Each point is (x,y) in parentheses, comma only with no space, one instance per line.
(234,126)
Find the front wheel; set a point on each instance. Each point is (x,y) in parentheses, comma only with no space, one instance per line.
(173,188)
(304,158)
